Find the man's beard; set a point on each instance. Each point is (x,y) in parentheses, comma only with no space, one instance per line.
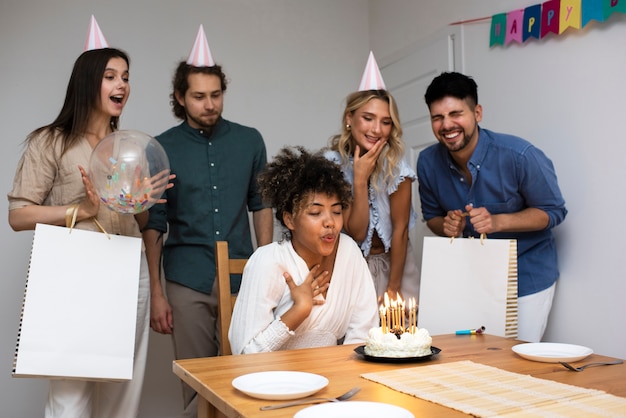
(458,146)
(202,123)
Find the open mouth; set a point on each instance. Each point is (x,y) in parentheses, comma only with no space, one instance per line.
(117,99)
(452,135)
(328,238)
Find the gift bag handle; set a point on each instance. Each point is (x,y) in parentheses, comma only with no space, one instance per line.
(71,214)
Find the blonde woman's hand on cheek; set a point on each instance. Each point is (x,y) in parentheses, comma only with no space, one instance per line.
(364,164)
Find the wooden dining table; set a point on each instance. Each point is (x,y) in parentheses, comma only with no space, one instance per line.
(212,377)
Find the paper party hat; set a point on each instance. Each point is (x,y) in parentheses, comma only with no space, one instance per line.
(95,38)
(372,79)
(200,55)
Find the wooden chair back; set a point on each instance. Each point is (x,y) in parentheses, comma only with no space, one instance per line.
(225,266)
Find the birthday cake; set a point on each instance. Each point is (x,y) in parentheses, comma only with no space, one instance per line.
(388,344)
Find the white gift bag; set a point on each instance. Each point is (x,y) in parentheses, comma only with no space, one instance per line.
(80,306)
(469,283)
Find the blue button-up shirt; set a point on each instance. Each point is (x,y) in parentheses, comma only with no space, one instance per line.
(509,174)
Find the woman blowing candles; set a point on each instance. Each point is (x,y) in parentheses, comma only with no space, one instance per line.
(370,152)
(313,288)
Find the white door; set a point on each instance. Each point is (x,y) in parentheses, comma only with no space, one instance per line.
(407,74)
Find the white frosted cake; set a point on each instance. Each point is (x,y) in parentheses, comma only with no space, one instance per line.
(389,345)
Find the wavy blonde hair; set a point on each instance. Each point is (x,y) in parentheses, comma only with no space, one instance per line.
(391,156)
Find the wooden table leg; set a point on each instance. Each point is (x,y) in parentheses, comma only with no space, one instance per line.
(204,409)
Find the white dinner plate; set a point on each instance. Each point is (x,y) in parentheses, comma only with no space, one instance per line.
(353,409)
(280,384)
(552,352)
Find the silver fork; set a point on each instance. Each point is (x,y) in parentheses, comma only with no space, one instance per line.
(340,398)
(584,366)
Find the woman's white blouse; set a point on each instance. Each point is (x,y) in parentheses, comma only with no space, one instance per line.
(348,313)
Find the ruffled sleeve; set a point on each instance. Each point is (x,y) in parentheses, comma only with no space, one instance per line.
(404,172)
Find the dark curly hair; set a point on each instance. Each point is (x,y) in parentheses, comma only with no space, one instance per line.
(180,83)
(294,174)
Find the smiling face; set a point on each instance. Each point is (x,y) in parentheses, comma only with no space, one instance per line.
(370,123)
(115,87)
(455,124)
(315,226)
(203,101)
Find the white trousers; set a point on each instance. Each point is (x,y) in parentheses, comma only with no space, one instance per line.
(532,314)
(380,267)
(90,399)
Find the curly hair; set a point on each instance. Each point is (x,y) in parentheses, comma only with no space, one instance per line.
(294,174)
(392,154)
(180,83)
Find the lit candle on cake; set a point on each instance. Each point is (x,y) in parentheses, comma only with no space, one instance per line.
(393,316)
(402,313)
(387,313)
(392,313)
(412,316)
(383,319)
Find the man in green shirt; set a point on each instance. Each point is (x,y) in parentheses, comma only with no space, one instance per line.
(216,163)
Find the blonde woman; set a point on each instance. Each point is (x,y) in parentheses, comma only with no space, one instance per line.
(370,151)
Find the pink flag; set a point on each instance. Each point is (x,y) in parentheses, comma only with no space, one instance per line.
(372,79)
(514,26)
(95,38)
(200,55)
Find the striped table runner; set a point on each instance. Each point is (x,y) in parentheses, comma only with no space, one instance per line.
(486,391)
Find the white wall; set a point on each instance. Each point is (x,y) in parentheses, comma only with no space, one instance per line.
(564,93)
(290,64)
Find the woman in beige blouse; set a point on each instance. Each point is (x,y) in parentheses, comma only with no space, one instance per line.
(51,184)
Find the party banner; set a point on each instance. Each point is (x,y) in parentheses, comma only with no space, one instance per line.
(553,16)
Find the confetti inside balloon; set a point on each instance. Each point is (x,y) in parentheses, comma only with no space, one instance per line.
(129,171)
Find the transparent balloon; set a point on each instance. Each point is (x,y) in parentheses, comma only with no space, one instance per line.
(129,171)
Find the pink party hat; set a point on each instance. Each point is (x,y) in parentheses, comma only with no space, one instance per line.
(200,55)
(372,79)
(95,38)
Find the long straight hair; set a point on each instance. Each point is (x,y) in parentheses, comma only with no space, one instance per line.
(82,98)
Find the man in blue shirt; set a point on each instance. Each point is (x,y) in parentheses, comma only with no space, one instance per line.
(475,181)
(216,163)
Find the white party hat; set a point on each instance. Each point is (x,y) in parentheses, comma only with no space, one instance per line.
(200,55)
(372,79)
(95,38)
